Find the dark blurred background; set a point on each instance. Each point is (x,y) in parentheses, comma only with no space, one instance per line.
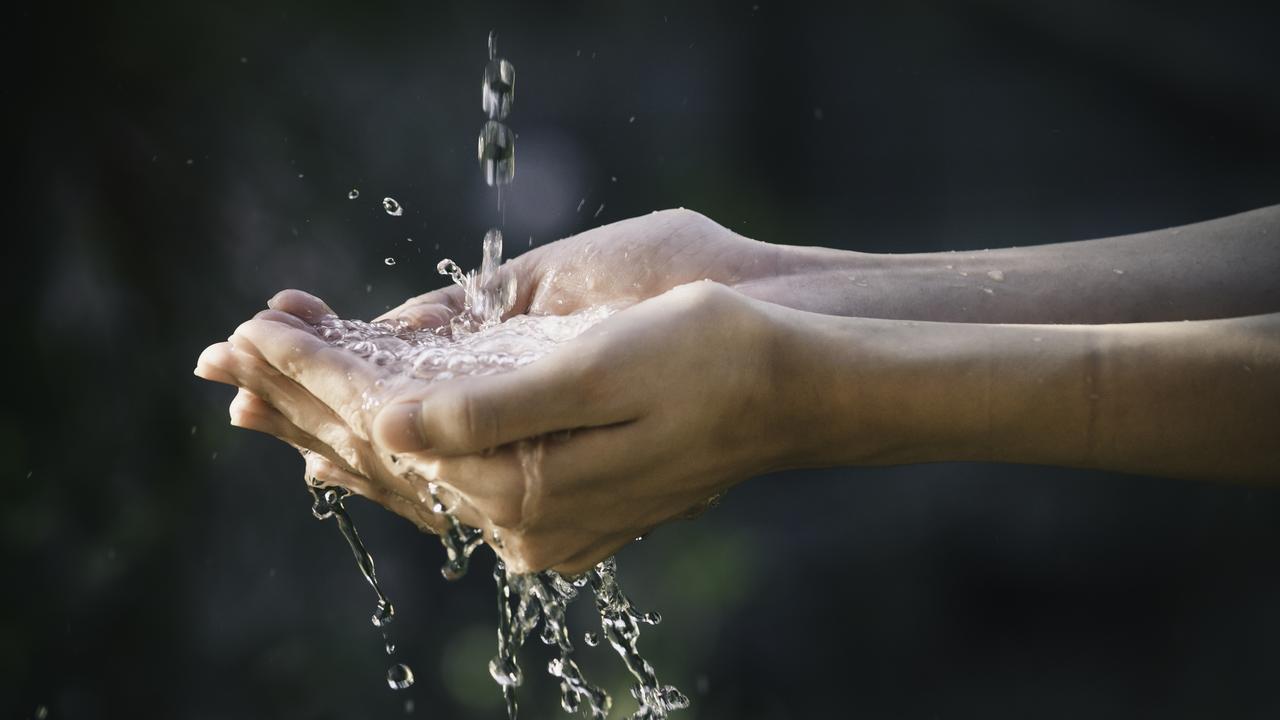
(178,163)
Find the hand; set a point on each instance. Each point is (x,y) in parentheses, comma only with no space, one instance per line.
(643,418)
(330,430)
(618,264)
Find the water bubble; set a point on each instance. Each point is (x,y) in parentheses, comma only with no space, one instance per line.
(389,261)
(499,88)
(391,206)
(399,676)
(496,151)
(353,194)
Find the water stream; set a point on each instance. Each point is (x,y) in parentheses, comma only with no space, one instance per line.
(478,342)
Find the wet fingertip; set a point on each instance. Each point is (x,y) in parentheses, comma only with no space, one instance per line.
(427,315)
(301,304)
(212,364)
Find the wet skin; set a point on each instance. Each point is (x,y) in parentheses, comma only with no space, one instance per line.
(699,385)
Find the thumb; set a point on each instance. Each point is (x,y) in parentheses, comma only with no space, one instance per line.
(468,415)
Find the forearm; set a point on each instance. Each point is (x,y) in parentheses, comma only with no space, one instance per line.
(1195,399)
(1220,268)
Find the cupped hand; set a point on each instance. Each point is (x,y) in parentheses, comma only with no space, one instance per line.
(617,264)
(322,418)
(641,419)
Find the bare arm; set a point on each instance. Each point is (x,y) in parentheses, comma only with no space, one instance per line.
(1184,399)
(1226,267)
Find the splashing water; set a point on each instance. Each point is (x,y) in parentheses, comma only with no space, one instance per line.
(328,504)
(478,342)
(476,346)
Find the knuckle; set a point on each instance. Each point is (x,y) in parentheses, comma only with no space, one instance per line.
(460,419)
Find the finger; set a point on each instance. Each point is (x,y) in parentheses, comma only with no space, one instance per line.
(301,304)
(251,412)
(285,318)
(449,298)
(334,376)
(467,415)
(426,316)
(213,362)
(298,406)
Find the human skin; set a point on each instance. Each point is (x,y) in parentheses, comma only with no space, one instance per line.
(1225,267)
(789,388)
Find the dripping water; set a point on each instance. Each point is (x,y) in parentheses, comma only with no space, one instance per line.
(328,503)
(479,342)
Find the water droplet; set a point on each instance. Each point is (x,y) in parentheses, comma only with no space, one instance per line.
(390,647)
(408,706)
(499,89)
(996,275)
(399,676)
(389,261)
(1118,271)
(599,210)
(591,639)
(631,119)
(391,206)
(353,194)
(496,151)
(384,614)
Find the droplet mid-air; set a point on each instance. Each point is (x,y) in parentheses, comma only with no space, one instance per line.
(353,194)
(498,91)
(496,151)
(399,676)
(391,206)
(389,261)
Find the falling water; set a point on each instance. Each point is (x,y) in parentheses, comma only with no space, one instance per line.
(328,504)
(478,342)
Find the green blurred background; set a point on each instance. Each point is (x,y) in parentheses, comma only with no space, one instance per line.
(180,162)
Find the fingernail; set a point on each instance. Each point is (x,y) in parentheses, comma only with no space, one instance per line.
(399,429)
